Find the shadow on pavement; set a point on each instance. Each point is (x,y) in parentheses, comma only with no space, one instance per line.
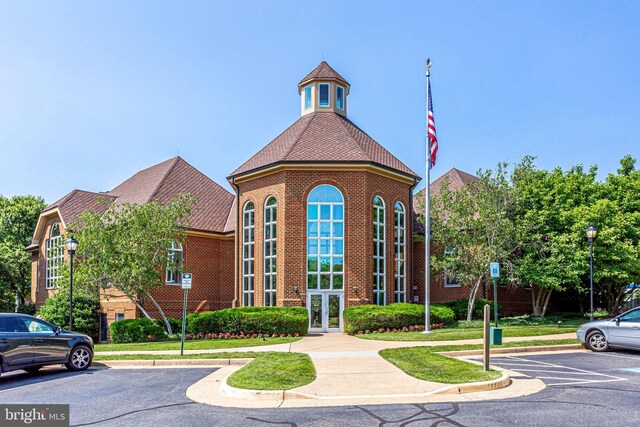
(13,379)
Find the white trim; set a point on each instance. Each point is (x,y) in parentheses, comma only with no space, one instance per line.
(171,277)
(119,314)
(270,255)
(324,321)
(248,248)
(304,97)
(379,276)
(54,258)
(328,95)
(448,251)
(343,97)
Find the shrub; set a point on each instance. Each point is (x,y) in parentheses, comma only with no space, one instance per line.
(136,330)
(460,306)
(250,320)
(86,312)
(176,324)
(399,315)
(28,308)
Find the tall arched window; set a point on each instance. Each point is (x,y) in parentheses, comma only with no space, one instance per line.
(270,212)
(400,227)
(379,252)
(174,262)
(325,238)
(248,237)
(55,256)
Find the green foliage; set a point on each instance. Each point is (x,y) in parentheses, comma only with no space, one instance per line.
(28,308)
(259,320)
(18,219)
(86,312)
(176,324)
(136,330)
(398,315)
(460,307)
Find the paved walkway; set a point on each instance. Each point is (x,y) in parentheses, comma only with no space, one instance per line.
(338,343)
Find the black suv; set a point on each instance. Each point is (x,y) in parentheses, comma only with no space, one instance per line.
(29,343)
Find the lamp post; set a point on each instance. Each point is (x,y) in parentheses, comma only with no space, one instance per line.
(591,232)
(72,245)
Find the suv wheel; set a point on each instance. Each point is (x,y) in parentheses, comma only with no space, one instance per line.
(596,341)
(79,359)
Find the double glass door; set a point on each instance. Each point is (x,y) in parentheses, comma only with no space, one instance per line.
(325,311)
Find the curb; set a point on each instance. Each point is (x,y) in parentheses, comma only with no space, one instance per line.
(170,362)
(559,347)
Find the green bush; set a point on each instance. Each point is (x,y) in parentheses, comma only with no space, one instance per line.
(136,330)
(28,308)
(399,315)
(258,320)
(176,324)
(460,306)
(86,312)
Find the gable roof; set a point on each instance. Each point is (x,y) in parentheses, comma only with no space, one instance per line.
(323,71)
(323,137)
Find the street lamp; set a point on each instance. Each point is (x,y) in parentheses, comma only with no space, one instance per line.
(72,245)
(591,232)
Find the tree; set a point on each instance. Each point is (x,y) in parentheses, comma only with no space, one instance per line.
(475,223)
(127,248)
(18,219)
(547,259)
(86,311)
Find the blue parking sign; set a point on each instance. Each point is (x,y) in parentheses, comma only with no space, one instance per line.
(494,267)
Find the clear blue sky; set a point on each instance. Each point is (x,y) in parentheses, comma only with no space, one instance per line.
(91,92)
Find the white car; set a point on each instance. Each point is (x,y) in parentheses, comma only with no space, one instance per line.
(622,331)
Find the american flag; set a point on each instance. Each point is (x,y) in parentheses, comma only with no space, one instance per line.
(432,140)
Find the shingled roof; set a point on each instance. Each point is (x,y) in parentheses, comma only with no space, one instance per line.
(323,71)
(161,182)
(323,137)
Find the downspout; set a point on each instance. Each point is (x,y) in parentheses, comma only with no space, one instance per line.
(415,182)
(236,276)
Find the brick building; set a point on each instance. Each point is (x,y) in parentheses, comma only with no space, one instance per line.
(322,217)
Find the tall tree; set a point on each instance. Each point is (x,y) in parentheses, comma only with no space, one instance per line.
(547,259)
(18,219)
(475,223)
(127,248)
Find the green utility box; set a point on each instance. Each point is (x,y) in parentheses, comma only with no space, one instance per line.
(495,337)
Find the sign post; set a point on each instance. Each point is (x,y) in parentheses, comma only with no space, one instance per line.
(496,333)
(186,285)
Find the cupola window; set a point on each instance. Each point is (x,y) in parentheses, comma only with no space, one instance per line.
(340,97)
(307,97)
(323,96)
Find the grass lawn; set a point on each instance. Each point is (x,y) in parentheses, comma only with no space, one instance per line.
(268,370)
(195,344)
(450,334)
(422,363)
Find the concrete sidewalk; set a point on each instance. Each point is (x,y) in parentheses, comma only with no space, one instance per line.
(337,342)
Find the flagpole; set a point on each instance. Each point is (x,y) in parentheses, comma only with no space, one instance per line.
(427,223)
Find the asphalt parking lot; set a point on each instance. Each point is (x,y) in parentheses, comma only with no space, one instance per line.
(584,389)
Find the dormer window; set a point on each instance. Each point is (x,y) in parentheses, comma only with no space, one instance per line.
(307,97)
(340,97)
(323,94)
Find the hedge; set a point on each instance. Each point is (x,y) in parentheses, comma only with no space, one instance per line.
(399,315)
(136,330)
(459,307)
(250,320)
(86,312)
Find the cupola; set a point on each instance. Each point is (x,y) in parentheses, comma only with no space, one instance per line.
(323,90)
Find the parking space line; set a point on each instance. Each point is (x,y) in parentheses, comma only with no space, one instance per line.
(587,382)
(561,372)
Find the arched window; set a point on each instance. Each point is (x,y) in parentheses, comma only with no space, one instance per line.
(325,238)
(400,227)
(174,263)
(379,252)
(248,237)
(55,256)
(270,213)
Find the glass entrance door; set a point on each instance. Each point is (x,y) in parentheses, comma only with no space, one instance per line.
(325,311)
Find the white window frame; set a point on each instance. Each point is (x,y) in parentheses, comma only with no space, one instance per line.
(118,315)
(379,258)
(328,94)
(270,224)
(172,277)
(400,252)
(338,87)
(331,239)
(248,254)
(448,250)
(54,257)
(304,101)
